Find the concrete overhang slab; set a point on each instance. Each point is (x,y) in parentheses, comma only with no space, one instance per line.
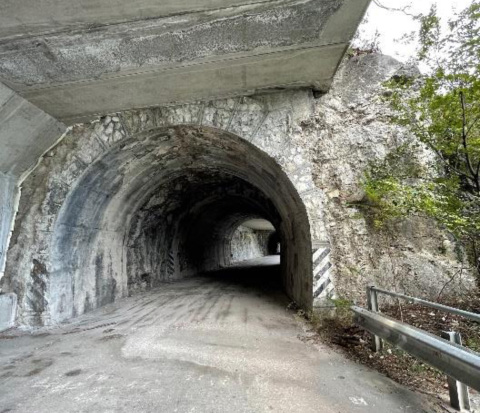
(210,80)
(75,60)
(21,18)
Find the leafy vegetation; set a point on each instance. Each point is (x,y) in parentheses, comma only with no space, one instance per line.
(442,111)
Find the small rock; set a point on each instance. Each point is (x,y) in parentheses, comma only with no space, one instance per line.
(109,129)
(334,194)
(117,136)
(359,401)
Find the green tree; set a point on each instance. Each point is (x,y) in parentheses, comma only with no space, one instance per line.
(442,110)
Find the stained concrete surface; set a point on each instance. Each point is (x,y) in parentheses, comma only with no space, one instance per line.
(78,59)
(222,342)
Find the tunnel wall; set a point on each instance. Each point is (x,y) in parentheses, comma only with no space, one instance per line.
(8,192)
(196,234)
(248,244)
(266,122)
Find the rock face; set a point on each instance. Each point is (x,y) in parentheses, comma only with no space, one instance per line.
(351,128)
(138,198)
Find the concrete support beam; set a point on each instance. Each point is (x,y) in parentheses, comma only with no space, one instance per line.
(26,132)
(187,83)
(47,16)
(8,310)
(8,194)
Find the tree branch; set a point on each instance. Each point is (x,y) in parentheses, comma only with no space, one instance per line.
(470,127)
(402,10)
(449,281)
(447,164)
(465,144)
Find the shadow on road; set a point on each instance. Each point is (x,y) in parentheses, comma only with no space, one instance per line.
(260,277)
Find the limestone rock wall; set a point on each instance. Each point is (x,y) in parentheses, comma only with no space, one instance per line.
(350,128)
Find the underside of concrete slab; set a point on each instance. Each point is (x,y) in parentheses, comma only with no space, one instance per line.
(75,60)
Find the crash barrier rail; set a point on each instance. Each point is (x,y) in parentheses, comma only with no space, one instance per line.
(461,365)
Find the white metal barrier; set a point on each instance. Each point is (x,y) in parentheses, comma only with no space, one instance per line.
(461,365)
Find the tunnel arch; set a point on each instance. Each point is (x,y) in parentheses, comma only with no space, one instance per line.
(248,239)
(273,243)
(136,215)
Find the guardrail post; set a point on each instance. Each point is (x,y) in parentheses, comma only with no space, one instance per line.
(459,397)
(372,302)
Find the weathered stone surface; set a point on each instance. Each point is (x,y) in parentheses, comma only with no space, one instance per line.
(140,197)
(25,133)
(351,128)
(92,61)
(247,244)
(106,216)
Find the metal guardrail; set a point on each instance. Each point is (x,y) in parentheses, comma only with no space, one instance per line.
(441,307)
(461,365)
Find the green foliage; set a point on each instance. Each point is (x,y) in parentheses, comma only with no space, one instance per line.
(473,343)
(442,110)
(341,302)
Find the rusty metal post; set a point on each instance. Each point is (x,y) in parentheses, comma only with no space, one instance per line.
(372,302)
(459,397)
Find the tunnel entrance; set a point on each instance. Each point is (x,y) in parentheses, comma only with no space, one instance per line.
(252,239)
(171,203)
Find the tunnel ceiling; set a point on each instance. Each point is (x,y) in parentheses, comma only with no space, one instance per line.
(258,224)
(131,172)
(75,59)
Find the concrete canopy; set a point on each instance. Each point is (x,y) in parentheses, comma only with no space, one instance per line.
(78,59)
